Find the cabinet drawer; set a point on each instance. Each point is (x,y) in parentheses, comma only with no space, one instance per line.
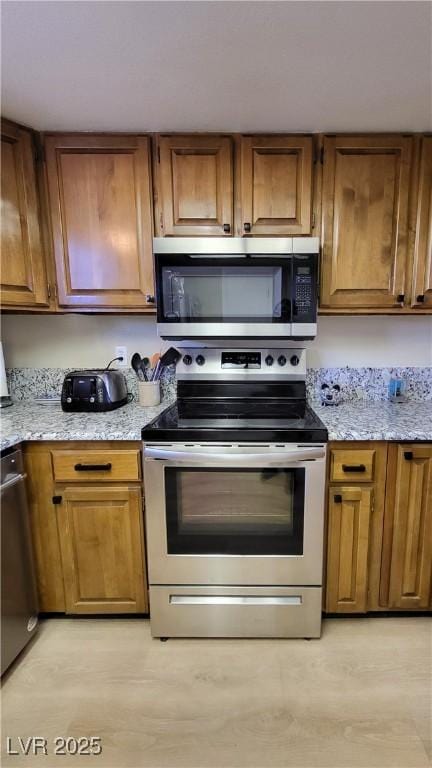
(352,465)
(108,465)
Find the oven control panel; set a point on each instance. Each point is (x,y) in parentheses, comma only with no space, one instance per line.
(230,364)
(236,359)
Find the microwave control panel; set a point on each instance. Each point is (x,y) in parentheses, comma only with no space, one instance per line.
(304,288)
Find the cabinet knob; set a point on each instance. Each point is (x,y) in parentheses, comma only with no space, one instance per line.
(408,455)
(56,499)
(338,498)
(150,299)
(227,228)
(420,298)
(247,226)
(401,298)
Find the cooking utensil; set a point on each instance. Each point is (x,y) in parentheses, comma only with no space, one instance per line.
(145,366)
(170,357)
(136,365)
(154,363)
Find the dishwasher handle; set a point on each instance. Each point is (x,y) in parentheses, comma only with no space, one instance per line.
(13,481)
(256,459)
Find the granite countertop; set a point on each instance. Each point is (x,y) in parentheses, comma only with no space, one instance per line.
(377,420)
(27,420)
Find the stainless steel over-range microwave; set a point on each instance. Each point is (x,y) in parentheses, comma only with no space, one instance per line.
(236,287)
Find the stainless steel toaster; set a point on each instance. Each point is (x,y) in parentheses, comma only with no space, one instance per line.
(94,390)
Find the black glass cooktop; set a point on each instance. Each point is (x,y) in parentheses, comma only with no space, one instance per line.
(246,420)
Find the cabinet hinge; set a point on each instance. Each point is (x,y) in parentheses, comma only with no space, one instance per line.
(313,220)
(39,153)
(161,222)
(49,290)
(158,154)
(322,155)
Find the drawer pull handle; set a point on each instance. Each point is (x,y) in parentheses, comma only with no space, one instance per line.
(420,298)
(353,468)
(338,498)
(227,228)
(93,467)
(56,499)
(408,455)
(401,298)
(246,226)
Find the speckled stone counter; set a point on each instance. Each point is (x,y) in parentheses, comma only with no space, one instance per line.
(27,420)
(377,420)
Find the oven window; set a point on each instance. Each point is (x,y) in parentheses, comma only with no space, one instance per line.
(225,293)
(235,511)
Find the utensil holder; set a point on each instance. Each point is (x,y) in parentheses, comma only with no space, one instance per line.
(149,393)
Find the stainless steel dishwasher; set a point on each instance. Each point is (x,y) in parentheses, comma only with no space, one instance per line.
(19,608)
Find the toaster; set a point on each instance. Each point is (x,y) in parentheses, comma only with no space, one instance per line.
(95,390)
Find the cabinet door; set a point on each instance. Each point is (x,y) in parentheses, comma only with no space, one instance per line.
(196,185)
(407,555)
(43,523)
(99,189)
(101,538)
(422,293)
(276,185)
(364,219)
(349,516)
(23,273)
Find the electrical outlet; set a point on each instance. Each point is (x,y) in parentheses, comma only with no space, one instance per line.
(122,352)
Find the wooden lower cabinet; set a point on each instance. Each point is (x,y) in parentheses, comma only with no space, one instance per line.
(407,549)
(101,540)
(350,510)
(88,535)
(379,529)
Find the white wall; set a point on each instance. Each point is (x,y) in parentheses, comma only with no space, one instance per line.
(88,340)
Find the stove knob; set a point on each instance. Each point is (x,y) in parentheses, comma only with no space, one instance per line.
(269,360)
(200,360)
(187,360)
(294,360)
(282,360)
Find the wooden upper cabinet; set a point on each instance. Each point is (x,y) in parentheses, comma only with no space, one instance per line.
(407,551)
(276,185)
(23,272)
(100,202)
(422,292)
(365,221)
(195,185)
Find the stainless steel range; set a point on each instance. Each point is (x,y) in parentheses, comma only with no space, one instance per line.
(234,480)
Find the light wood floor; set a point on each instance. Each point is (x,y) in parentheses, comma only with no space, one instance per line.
(359,697)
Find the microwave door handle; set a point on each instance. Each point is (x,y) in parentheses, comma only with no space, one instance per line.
(253,459)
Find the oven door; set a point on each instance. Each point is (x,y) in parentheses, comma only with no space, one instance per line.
(242,514)
(224,296)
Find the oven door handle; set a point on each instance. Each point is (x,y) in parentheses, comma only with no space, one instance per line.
(256,459)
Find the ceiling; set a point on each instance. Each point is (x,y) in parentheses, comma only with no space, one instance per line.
(235,66)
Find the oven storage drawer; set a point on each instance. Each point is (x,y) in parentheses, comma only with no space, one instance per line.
(235,611)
